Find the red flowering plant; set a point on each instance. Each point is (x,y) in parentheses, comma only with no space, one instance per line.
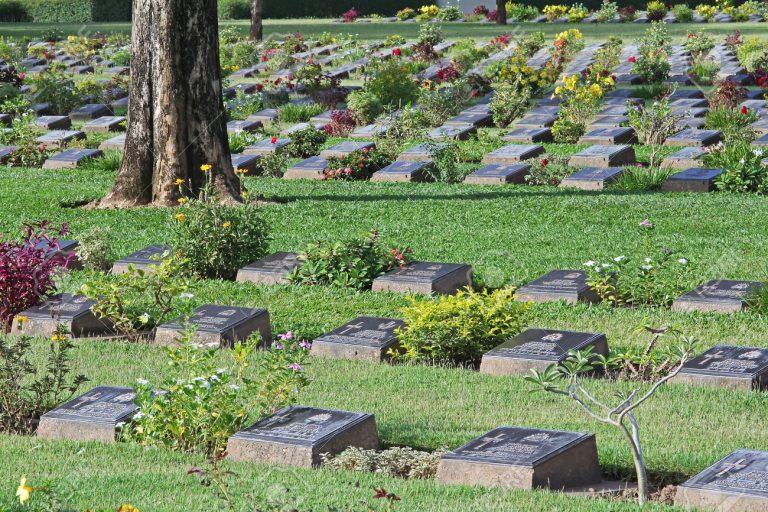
(447,74)
(341,123)
(358,165)
(28,270)
(350,16)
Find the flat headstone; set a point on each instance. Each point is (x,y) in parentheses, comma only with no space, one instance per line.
(760,126)
(404,171)
(6,152)
(80,69)
(369,131)
(603,155)
(300,127)
(498,174)
(116,143)
(608,122)
(568,285)
(57,139)
(528,135)
(736,483)
(694,137)
(614,110)
(425,277)
(476,119)
(593,178)
(245,162)
(537,349)
(117,70)
(141,259)
(513,154)
(247,126)
(719,295)
(689,103)
(536,121)
(523,458)
(761,142)
(266,146)
(345,148)
(690,112)
(742,368)
(452,132)
(72,311)
(685,158)
(264,116)
(618,135)
(71,158)
(104,124)
(418,153)
(299,435)
(686,94)
(696,179)
(270,270)
(91,111)
(92,416)
(219,325)
(53,122)
(309,169)
(364,338)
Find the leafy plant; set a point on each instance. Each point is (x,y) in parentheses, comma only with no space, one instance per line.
(509,103)
(364,106)
(27,389)
(59,92)
(683,13)
(549,171)
(349,263)
(445,160)
(401,462)
(652,62)
(306,142)
(390,81)
(358,165)
(653,124)
(459,329)
(743,164)
(641,179)
(753,54)
(728,94)
(299,112)
(94,249)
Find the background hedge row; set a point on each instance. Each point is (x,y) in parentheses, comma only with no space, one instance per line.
(65,11)
(240,9)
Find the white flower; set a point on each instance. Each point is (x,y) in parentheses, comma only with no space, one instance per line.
(590,263)
(758,152)
(138,415)
(648,260)
(189,386)
(215,378)
(221,370)
(647,267)
(186,296)
(742,161)
(234,386)
(682,261)
(605,265)
(120,424)
(619,258)
(144,319)
(142,382)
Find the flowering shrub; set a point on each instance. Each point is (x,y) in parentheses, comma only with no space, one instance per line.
(22,136)
(707,12)
(744,168)
(450,13)
(734,123)
(27,389)
(447,73)
(359,165)
(656,10)
(521,12)
(305,143)
(390,82)
(428,12)
(734,40)
(350,16)
(405,14)
(580,99)
(698,43)
(509,103)
(58,91)
(341,123)
(628,13)
(753,54)
(577,12)
(206,401)
(652,62)
(364,106)
(728,94)
(549,171)
(554,12)
(348,264)
(459,329)
(608,11)
(27,270)
(654,277)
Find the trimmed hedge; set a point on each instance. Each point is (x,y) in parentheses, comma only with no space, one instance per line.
(240,9)
(64,11)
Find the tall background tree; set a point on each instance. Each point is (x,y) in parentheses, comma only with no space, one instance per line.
(257,25)
(176,116)
(501,12)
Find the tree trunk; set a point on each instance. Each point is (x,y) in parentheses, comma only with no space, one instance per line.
(501,12)
(257,26)
(176,116)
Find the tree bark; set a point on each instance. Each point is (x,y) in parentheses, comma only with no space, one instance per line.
(176,116)
(501,12)
(257,25)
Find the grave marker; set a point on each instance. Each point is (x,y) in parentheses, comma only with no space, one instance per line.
(694,137)
(59,138)
(741,368)
(72,311)
(618,135)
(513,154)
(528,135)
(91,111)
(245,162)
(593,178)
(266,146)
(104,124)
(246,126)
(53,122)
(498,174)
(71,158)
(219,325)
(685,158)
(697,179)
(603,155)
(404,171)
(309,169)
(270,270)
(141,259)
(720,295)
(419,152)
(345,148)
(365,338)
(425,277)
(568,285)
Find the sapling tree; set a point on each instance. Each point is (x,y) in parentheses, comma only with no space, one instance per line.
(566,379)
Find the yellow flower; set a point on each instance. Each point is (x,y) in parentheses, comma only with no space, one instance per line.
(23,491)
(596,90)
(127,507)
(58,337)
(608,82)
(180,181)
(241,171)
(180,217)
(244,194)
(182,200)
(206,167)
(227,225)
(21,319)
(558,90)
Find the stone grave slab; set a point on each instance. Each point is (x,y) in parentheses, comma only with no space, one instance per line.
(696,179)
(686,94)
(736,483)
(528,135)
(141,259)
(476,119)
(364,338)
(761,142)
(695,113)
(728,366)
(6,152)
(301,126)
(42,109)
(608,122)
(419,153)
(266,146)
(91,111)
(92,416)
(547,110)
(760,126)
(265,116)
(523,458)
(104,124)
(345,148)
(72,311)
(568,285)
(247,126)
(618,135)
(451,132)
(498,174)
(368,131)
(53,122)
(614,110)
(299,435)
(57,139)
(593,178)
(219,325)
(116,143)
(719,295)
(685,158)
(80,70)
(698,102)
(603,155)
(425,277)
(245,162)
(690,123)
(272,269)
(537,349)
(536,121)
(309,169)
(71,158)
(694,137)
(513,154)
(403,170)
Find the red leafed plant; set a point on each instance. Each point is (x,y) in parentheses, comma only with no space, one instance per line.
(447,74)
(350,16)
(27,270)
(341,124)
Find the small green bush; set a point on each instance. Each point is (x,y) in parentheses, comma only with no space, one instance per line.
(402,462)
(306,142)
(459,329)
(299,113)
(364,106)
(234,9)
